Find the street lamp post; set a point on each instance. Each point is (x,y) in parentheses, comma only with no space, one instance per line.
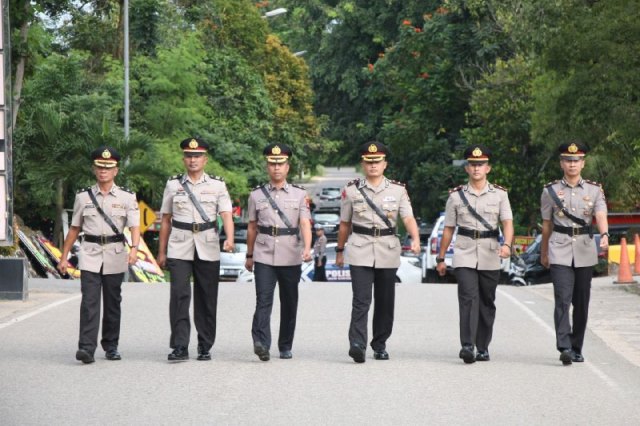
(126,69)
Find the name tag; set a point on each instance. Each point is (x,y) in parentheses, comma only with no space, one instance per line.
(389,198)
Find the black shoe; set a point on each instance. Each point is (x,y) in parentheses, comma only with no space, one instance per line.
(85,356)
(381,355)
(576,356)
(565,357)
(467,355)
(203,354)
(262,351)
(113,355)
(180,353)
(286,355)
(483,356)
(357,352)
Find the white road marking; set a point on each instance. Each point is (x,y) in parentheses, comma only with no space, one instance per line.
(38,311)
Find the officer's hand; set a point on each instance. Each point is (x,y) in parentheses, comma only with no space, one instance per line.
(133,256)
(441,268)
(340,259)
(228,246)
(544,260)
(504,251)
(415,247)
(604,242)
(248,265)
(62,266)
(161,260)
(306,255)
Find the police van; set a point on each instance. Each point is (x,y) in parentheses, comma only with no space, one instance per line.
(429,273)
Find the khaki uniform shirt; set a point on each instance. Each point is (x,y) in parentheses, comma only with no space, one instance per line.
(281,250)
(583,201)
(366,250)
(320,247)
(492,203)
(211,193)
(121,206)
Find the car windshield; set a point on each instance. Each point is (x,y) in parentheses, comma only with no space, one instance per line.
(326,217)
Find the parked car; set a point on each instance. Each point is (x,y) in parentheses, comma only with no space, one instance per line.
(408,272)
(328,199)
(330,222)
(406,245)
(232,264)
(429,273)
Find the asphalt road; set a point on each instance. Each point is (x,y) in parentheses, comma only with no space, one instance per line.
(423,383)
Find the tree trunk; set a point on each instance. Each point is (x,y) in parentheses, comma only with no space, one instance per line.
(119,48)
(58,237)
(20,67)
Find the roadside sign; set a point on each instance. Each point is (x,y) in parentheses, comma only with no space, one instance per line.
(147,216)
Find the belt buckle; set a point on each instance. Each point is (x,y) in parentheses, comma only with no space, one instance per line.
(575,231)
(377,231)
(476,234)
(103,240)
(274,231)
(195,227)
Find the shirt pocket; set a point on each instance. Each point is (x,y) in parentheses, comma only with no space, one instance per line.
(209,204)
(291,204)
(181,203)
(119,216)
(177,235)
(492,210)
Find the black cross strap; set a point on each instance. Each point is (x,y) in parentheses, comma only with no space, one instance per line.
(375,208)
(278,210)
(194,201)
(106,218)
(473,212)
(564,210)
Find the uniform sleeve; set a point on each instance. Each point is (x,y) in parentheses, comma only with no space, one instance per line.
(404,208)
(505,207)
(78,207)
(224,200)
(450,216)
(133,212)
(346,206)
(251,209)
(167,200)
(600,203)
(305,213)
(546,206)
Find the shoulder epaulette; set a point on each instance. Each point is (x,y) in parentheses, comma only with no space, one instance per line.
(397,182)
(86,189)
(127,190)
(354,182)
(552,183)
(295,185)
(457,188)
(593,182)
(258,187)
(176,177)
(500,187)
(220,178)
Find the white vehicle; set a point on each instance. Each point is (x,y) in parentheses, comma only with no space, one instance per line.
(429,273)
(232,264)
(408,272)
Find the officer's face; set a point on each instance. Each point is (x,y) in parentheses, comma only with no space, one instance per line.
(572,166)
(374,168)
(477,171)
(278,171)
(105,174)
(194,163)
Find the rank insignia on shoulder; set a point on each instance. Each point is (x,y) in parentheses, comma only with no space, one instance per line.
(500,187)
(353,182)
(456,189)
(127,190)
(85,189)
(176,177)
(397,182)
(220,178)
(258,187)
(593,182)
(553,182)
(298,186)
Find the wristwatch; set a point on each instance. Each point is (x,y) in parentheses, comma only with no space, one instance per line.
(439,259)
(339,249)
(605,233)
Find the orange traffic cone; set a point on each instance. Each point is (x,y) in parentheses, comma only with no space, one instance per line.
(624,272)
(636,267)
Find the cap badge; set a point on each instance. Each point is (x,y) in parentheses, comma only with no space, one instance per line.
(373,148)
(106,154)
(477,152)
(573,148)
(193,144)
(276,150)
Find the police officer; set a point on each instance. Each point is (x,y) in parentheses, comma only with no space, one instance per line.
(278,240)
(568,206)
(189,245)
(319,255)
(477,209)
(368,215)
(101,212)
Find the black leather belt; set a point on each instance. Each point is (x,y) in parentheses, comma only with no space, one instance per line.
(475,234)
(193,227)
(374,232)
(569,230)
(104,239)
(274,231)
